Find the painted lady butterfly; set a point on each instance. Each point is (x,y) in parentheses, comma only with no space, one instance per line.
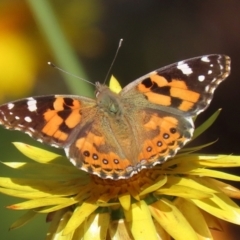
(117,135)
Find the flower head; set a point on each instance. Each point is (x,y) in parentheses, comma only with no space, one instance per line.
(174,199)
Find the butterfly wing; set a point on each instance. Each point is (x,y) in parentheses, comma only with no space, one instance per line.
(165,101)
(185,87)
(49,119)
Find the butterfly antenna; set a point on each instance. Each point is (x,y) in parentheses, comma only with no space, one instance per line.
(60,69)
(119,46)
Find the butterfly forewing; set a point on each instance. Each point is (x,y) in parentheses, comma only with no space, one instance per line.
(49,119)
(186,87)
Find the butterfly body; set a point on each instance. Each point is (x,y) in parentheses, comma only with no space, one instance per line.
(116,135)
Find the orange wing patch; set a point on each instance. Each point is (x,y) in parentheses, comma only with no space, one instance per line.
(103,163)
(58,104)
(161,145)
(160,91)
(158,98)
(159,80)
(61,119)
(52,127)
(184,94)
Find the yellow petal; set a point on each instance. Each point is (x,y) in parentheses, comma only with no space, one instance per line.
(41,202)
(153,187)
(114,85)
(80,214)
(54,230)
(59,235)
(228,189)
(37,154)
(191,181)
(49,170)
(57,207)
(213,173)
(205,160)
(221,206)
(14,165)
(78,233)
(20,184)
(28,186)
(140,221)
(125,200)
(219,160)
(212,221)
(190,211)
(162,234)
(183,191)
(108,193)
(29,215)
(172,220)
(23,194)
(134,190)
(118,230)
(208,206)
(96,226)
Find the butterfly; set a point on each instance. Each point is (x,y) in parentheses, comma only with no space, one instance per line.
(117,135)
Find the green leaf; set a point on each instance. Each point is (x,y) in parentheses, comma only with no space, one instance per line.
(202,128)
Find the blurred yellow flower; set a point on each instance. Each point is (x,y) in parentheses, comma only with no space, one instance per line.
(18,65)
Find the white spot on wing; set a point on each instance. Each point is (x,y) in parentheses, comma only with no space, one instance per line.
(31,129)
(4,118)
(209,71)
(17,117)
(180,63)
(29,134)
(184,68)
(66,149)
(54,145)
(32,104)
(28,119)
(207,88)
(40,140)
(205,59)
(201,78)
(73,162)
(10,106)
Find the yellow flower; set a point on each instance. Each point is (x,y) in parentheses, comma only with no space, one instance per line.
(17,62)
(180,198)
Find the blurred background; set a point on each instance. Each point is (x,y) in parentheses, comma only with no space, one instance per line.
(82,37)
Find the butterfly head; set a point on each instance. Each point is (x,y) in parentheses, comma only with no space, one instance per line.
(107,100)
